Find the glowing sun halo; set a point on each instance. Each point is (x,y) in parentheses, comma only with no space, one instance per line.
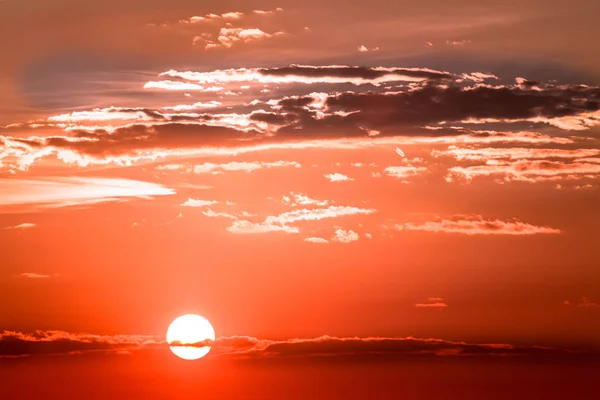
(186,334)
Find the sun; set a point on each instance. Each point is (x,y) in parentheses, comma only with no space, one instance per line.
(187,334)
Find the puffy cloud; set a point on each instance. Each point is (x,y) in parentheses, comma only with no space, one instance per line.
(67,191)
(198,203)
(228,36)
(299,199)
(363,49)
(343,236)
(337,177)
(232,15)
(477,225)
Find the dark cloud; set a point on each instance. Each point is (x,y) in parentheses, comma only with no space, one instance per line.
(142,137)
(434,104)
(14,344)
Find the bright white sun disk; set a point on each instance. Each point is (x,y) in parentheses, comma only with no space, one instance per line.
(190,329)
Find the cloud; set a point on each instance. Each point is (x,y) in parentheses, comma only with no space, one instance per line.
(267,12)
(316,240)
(232,15)
(213,214)
(128,145)
(402,172)
(16,344)
(433,302)
(68,191)
(59,342)
(198,203)
(513,153)
(195,106)
(364,49)
(477,225)
(310,74)
(228,36)
(299,199)
(283,222)
(431,305)
(343,236)
(457,42)
(25,225)
(585,302)
(337,177)
(525,171)
(242,166)
(33,275)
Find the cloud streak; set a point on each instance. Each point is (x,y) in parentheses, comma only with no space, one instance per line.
(477,225)
(17,344)
(68,191)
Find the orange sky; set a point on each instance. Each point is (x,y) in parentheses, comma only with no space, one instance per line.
(365,171)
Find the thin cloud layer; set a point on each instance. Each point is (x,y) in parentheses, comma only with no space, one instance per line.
(286,221)
(16,344)
(477,225)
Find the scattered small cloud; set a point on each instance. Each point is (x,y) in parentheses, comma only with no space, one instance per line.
(337,177)
(584,302)
(457,42)
(364,49)
(343,236)
(25,225)
(198,203)
(433,302)
(33,275)
(316,240)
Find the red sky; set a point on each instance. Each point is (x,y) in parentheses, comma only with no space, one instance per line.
(409,188)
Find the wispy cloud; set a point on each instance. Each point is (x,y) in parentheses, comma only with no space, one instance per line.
(284,222)
(316,240)
(198,203)
(477,225)
(25,225)
(33,275)
(67,191)
(242,166)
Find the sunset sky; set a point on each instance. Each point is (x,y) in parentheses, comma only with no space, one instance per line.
(362,197)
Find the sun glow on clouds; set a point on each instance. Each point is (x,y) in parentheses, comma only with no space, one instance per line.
(65,191)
